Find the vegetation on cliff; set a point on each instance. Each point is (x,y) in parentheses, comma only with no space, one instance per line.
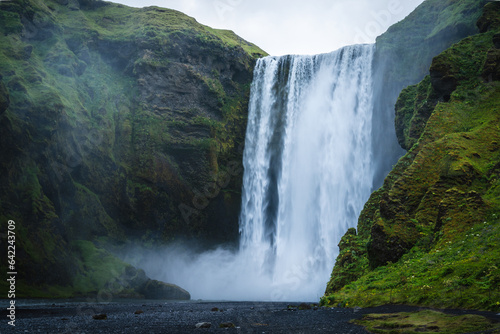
(403,56)
(116,123)
(430,235)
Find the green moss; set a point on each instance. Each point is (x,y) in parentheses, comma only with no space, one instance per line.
(98,267)
(457,16)
(11,23)
(231,39)
(431,232)
(431,28)
(351,262)
(101,137)
(413,108)
(163,26)
(427,321)
(459,271)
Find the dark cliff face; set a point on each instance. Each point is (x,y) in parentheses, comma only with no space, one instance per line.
(403,56)
(117,124)
(429,236)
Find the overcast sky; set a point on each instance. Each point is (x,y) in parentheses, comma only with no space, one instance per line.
(292,26)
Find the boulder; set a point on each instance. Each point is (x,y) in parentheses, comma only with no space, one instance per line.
(385,247)
(496,41)
(227,325)
(154,289)
(443,77)
(491,68)
(203,325)
(100,316)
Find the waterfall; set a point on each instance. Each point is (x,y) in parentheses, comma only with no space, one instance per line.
(308,173)
(307,165)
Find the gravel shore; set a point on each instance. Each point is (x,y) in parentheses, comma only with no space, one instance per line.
(151,317)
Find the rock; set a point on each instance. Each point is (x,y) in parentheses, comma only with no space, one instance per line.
(28,49)
(214,309)
(73,5)
(304,306)
(4,97)
(100,316)
(134,278)
(443,78)
(385,247)
(203,325)
(194,79)
(154,289)
(17,84)
(413,109)
(490,18)
(496,41)
(227,325)
(139,312)
(491,68)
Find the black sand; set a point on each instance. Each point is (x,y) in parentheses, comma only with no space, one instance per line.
(182,317)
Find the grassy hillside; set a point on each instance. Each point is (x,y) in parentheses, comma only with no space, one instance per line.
(430,235)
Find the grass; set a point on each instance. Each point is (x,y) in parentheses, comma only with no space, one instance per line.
(430,235)
(426,321)
(454,263)
(231,39)
(96,272)
(460,271)
(100,268)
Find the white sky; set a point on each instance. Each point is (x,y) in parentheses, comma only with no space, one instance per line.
(291,26)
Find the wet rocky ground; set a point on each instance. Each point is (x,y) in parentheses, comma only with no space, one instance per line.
(183,317)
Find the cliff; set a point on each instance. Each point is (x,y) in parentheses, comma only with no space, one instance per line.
(403,56)
(430,234)
(117,124)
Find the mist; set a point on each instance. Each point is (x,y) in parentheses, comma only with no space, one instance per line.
(308,173)
(221,274)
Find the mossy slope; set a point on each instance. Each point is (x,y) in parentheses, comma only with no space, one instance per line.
(112,118)
(430,235)
(403,56)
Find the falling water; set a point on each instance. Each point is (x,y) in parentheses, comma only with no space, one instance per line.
(307,164)
(307,176)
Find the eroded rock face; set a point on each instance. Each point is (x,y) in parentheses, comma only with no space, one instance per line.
(443,78)
(491,69)
(130,128)
(387,247)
